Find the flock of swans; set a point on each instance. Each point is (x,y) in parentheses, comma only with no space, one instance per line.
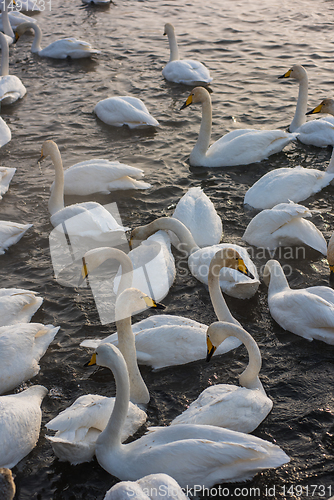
(209,442)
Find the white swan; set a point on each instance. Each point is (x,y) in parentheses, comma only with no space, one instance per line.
(7,485)
(18,305)
(152,487)
(238,284)
(6,175)
(101,176)
(125,110)
(201,454)
(11,87)
(225,405)
(21,347)
(315,132)
(197,212)
(5,133)
(83,219)
(167,340)
(284,225)
(308,312)
(11,233)
(59,49)
(20,424)
(239,147)
(5,25)
(9,20)
(185,71)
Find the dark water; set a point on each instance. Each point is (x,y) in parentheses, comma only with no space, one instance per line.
(246,45)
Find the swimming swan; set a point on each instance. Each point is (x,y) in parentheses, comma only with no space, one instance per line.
(308,312)
(238,284)
(7,485)
(316,132)
(152,487)
(5,133)
(284,225)
(125,110)
(168,340)
(59,49)
(201,454)
(197,212)
(83,219)
(101,176)
(20,424)
(239,147)
(11,233)
(18,305)
(11,87)
(185,71)
(21,347)
(6,175)
(225,405)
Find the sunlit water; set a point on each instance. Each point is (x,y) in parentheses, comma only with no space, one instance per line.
(246,45)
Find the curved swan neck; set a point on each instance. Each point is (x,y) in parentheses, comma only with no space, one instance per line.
(278,281)
(4,67)
(168,223)
(203,141)
(36,44)
(56,200)
(217,298)
(7,27)
(301,108)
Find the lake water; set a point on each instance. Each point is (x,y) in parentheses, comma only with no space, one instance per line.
(246,45)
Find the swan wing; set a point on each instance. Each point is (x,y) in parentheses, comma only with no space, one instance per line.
(11,89)
(186,71)
(6,175)
(18,305)
(68,47)
(11,233)
(317,132)
(126,110)
(5,133)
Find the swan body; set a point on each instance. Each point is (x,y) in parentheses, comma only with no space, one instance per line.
(151,487)
(101,176)
(7,485)
(197,212)
(21,347)
(204,455)
(20,423)
(59,49)
(229,406)
(284,225)
(315,132)
(82,219)
(124,110)
(185,71)
(11,87)
(239,147)
(5,133)
(6,175)
(308,312)
(11,233)
(18,305)
(233,282)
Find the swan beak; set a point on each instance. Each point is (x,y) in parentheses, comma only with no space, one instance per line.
(152,303)
(17,36)
(331,268)
(92,360)
(243,269)
(42,157)
(84,271)
(315,110)
(210,349)
(286,75)
(188,102)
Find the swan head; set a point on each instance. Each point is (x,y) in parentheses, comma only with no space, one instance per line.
(297,72)
(272,267)
(326,106)
(7,485)
(132,301)
(216,334)
(49,148)
(97,256)
(106,355)
(21,29)
(169,29)
(228,257)
(197,95)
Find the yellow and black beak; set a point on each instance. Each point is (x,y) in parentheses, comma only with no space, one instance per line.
(331,276)
(210,349)
(92,360)
(243,269)
(17,36)
(317,109)
(42,157)
(188,102)
(152,303)
(84,271)
(286,75)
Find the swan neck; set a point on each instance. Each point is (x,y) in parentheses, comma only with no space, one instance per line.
(278,281)
(174,51)
(7,27)
(204,135)
(217,298)
(4,67)
(126,343)
(36,44)
(250,376)
(56,200)
(301,108)
(330,166)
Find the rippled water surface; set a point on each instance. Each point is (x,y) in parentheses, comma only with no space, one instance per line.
(246,45)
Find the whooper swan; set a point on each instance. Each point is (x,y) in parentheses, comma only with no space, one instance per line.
(185,71)
(18,305)
(125,110)
(11,20)
(239,147)
(308,312)
(284,225)
(225,405)
(11,233)
(59,49)
(201,454)
(11,87)
(315,132)
(152,487)
(20,424)
(6,175)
